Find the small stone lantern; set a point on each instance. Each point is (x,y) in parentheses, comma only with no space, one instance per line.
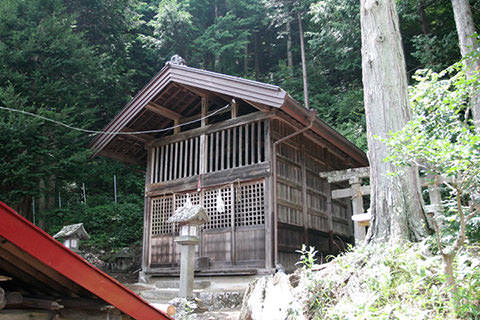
(190,218)
(71,235)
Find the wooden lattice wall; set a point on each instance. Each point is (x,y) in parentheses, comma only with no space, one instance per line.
(224,237)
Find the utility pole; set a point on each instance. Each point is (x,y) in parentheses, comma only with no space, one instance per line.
(115,188)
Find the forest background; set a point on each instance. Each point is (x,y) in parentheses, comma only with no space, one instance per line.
(80,61)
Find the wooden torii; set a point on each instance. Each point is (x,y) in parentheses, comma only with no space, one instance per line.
(356,191)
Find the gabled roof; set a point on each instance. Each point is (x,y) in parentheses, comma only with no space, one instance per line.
(73,229)
(33,258)
(261,95)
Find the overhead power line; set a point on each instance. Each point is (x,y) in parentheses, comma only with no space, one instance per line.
(112,132)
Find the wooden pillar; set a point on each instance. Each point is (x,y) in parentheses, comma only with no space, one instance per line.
(233,245)
(269,225)
(176,130)
(328,191)
(204,121)
(304,192)
(202,164)
(357,208)
(234,111)
(146,219)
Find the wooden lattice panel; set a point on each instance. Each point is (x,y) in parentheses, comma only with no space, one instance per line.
(218,220)
(246,198)
(250,204)
(162,209)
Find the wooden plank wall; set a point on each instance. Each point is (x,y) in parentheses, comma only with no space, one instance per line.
(306,212)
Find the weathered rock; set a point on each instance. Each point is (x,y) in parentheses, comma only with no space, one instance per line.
(187,308)
(221,300)
(272,298)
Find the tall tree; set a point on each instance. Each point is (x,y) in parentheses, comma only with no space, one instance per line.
(468,46)
(282,13)
(48,69)
(395,200)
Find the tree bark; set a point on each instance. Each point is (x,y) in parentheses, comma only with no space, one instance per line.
(466,31)
(395,204)
(257,56)
(304,63)
(289,46)
(422,16)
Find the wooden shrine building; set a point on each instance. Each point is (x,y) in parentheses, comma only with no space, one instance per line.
(245,144)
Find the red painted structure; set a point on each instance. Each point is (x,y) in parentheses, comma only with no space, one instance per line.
(46,250)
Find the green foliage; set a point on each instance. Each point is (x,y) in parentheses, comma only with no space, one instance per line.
(110,226)
(50,70)
(442,141)
(307,256)
(383,281)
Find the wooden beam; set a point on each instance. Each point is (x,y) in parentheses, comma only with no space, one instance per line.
(84,304)
(256,116)
(343,175)
(161,110)
(25,314)
(34,303)
(198,116)
(248,173)
(144,138)
(349,192)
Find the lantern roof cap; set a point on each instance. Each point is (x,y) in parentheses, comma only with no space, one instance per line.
(190,214)
(73,231)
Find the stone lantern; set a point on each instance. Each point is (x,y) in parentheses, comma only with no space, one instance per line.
(190,218)
(71,235)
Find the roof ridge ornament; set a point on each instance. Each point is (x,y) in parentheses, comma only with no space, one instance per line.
(176,59)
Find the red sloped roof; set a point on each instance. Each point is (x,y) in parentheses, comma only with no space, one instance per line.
(52,254)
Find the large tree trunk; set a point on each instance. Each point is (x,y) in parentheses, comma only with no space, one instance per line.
(395,200)
(304,62)
(467,43)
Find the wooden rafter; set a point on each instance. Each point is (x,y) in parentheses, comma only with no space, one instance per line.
(163,111)
(212,96)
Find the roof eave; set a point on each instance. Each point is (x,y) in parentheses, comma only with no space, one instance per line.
(301,114)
